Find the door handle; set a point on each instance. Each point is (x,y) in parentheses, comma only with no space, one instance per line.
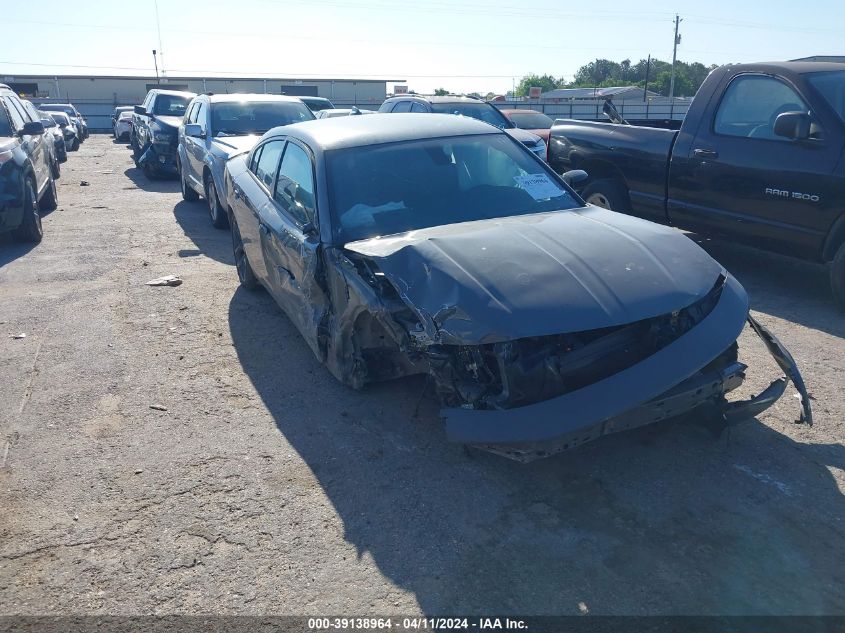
(705,153)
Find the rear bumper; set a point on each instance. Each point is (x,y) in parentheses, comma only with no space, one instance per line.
(666,384)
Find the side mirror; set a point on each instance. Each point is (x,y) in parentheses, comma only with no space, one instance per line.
(575,177)
(194,130)
(794,125)
(140,110)
(32,128)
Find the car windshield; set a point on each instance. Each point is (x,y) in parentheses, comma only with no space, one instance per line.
(481,111)
(5,125)
(397,187)
(530,120)
(57,108)
(171,105)
(46,119)
(318,104)
(247,117)
(831,86)
(125,115)
(60,118)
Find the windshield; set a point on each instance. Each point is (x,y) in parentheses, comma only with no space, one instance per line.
(318,104)
(57,108)
(831,86)
(397,187)
(255,117)
(481,111)
(530,120)
(60,118)
(171,105)
(46,119)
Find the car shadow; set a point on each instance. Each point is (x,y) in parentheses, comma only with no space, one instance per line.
(10,249)
(195,221)
(165,184)
(781,286)
(664,519)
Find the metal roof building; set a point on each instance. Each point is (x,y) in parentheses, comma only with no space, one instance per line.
(618,92)
(97,95)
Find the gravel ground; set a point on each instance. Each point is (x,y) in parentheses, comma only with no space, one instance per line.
(267,487)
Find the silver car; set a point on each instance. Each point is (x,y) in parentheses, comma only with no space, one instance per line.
(218,127)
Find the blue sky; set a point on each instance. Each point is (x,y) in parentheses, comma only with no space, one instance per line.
(471,45)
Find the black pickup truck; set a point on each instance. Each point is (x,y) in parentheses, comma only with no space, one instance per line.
(759,159)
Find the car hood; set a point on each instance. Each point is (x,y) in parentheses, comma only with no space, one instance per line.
(537,275)
(233,145)
(168,121)
(523,136)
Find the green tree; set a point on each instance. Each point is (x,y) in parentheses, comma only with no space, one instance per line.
(441,92)
(546,82)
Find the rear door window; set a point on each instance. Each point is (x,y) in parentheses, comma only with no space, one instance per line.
(268,163)
(295,185)
(402,106)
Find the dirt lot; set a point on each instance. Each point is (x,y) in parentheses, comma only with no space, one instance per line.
(267,487)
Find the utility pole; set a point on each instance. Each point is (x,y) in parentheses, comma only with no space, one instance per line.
(160,47)
(647,70)
(155,61)
(674,57)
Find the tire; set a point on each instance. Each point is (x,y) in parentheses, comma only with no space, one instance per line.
(245,273)
(30,229)
(50,200)
(608,194)
(55,169)
(218,216)
(74,147)
(837,276)
(188,194)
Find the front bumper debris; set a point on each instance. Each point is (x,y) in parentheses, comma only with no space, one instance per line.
(161,159)
(643,394)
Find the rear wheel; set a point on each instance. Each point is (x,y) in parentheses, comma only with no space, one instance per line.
(188,193)
(218,216)
(30,229)
(245,274)
(50,200)
(837,276)
(74,145)
(55,168)
(607,194)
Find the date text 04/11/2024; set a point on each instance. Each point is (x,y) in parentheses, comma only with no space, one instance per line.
(415,624)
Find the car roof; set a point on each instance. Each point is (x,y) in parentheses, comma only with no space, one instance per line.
(521,111)
(436,99)
(236,97)
(309,98)
(176,93)
(357,131)
(58,105)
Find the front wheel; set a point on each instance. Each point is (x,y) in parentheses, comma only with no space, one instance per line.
(607,194)
(245,273)
(188,194)
(837,276)
(50,200)
(218,216)
(30,229)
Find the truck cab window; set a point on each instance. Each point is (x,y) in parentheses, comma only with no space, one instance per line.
(752,103)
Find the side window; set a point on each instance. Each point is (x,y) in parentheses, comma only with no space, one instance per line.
(30,110)
(268,162)
(17,118)
(295,186)
(402,106)
(201,111)
(190,115)
(418,107)
(256,155)
(751,104)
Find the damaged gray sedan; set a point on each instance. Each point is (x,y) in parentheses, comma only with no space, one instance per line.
(426,244)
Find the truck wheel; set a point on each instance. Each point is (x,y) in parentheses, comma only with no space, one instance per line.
(30,229)
(607,194)
(837,276)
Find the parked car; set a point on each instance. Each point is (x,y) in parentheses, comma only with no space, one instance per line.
(758,160)
(531,120)
(68,130)
(58,135)
(123,125)
(437,245)
(49,139)
(118,110)
(155,127)
(27,186)
(317,103)
(75,116)
(468,107)
(215,128)
(331,113)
